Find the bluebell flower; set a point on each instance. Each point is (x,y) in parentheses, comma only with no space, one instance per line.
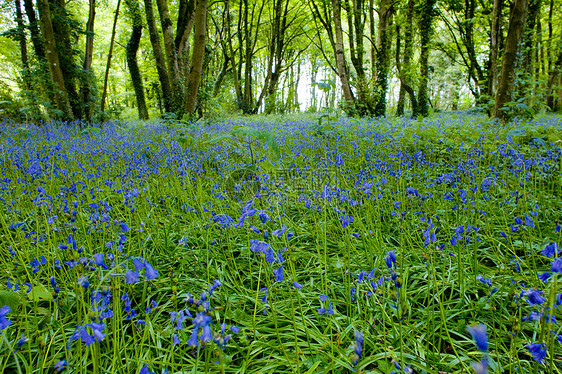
(175,339)
(22,341)
(482,366)
(390,260)
(280,231)
(83,282)
(551,249)
(486,281)
(4,322)
(279,274)
(60,365)
(556,266)
(132,277)
(297,285)
(545,276)
(538,351)
(357,348)
(479,335)
(534,297)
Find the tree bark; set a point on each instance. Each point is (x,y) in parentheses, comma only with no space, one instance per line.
(383,53)
(340,57)
(109,55)
(131,51)
(495,46)
(404,71)
(505,83)
(200,33)
(89,50)
(425,36)
(23,45)
(171,53)
(60,95)
(36,40)
(553,77)
(158,56)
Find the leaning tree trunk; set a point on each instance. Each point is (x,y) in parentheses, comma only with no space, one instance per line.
(200,34)
(131,51)
(60,94)
(38,46)
(23,45)
(505,84)
(425,34)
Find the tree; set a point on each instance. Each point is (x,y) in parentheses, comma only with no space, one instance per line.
(516,25)
(132,48)
(425,36)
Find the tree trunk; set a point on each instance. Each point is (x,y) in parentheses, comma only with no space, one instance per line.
(60,95)
(200,33)
(553,77)
(89,50)
(383,53)
(36,40)
(425,36)
(495,46)
(109,55)
(158,56)
(171,53)
(131,51)
(340,57)
(505,83)
(23,46)
(404,71)
(61,21)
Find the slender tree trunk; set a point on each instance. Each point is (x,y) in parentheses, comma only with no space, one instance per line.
(23,46)
(425,36)
(495,46)
(200,33)
(34,30)
(553,78)
(505,83)
(131,51)
(60,95)
(235,71)
(109,55)
(340,57)
(87,100)
(158,56)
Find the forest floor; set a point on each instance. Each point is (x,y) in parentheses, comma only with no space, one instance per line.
(302,245)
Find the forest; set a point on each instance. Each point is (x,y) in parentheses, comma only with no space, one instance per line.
(93,61)
(280,186)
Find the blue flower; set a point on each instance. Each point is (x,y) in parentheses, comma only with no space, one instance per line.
(534,297)
(60,365)
(482,366)
(4,322)
(551,250)
(538,351)
(132,277)
(390,260)
(479,335)
(175,339)
(357,348)
(279,274)
(22,341)
(297,285)
(557,265)
(83,282)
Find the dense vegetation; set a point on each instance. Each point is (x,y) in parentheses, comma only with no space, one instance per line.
(272,246)
(94,61)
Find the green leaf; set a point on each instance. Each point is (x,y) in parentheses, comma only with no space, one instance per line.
(10,298)
(40,293)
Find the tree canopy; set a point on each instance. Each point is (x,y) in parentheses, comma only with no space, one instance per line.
(96,60)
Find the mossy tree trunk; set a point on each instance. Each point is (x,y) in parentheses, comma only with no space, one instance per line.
(131,51)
